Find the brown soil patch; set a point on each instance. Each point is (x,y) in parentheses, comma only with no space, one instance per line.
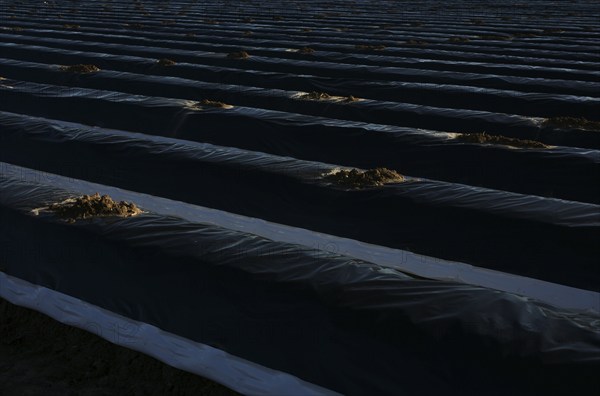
(213,103)
(458,40)
(351,99)
(238,55)
(80,68)
(493,37)
(416,42)
(88,206)
(40,356)
(68,26)
(572,123)
(370,47)
(166,62)
(483,138)
(315,96)
(355,178)
(306,50)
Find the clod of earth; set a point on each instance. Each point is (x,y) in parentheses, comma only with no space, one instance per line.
(306,50)
(166,62)
(493,37)
(68,26)
(370,47)
(416,42)
(458,39)
(87,206)
(315,96)
(355,178)
(482,138)
(80,69)
(238,55)
(572,123)
(351,99)
(213,103)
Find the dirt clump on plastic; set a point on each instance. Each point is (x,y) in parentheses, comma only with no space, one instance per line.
(355,178)
(458,40)
(483,138)
(416,42)
(213,103)
(315,96)
(306,50)
(572,123)
(88,206)
(238,55)
(80,68)
(166,62)
(41,356)
(370,47)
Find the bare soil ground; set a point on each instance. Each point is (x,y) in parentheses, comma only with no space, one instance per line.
(40,356)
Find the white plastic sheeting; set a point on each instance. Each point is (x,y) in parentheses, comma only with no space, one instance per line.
(423,266)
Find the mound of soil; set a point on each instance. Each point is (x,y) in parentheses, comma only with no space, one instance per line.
(238,55)
(416,42)
(355,178)
(40,356)
(213,103)
(306,50)
(88,206)
(166,62)
(493,37)
(458,40)
(370,47)
(483,138)
(572,123)
(80,68)
(315,96)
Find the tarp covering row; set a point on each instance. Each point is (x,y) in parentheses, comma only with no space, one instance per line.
(534,104)
(331,68)
(347,325)
(346,53)
(451,221)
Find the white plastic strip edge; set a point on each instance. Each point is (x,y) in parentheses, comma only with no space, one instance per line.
(402,260)
(236,373)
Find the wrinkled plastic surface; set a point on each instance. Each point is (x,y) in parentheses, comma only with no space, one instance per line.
(418,215)
(238,374)
(207,283)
